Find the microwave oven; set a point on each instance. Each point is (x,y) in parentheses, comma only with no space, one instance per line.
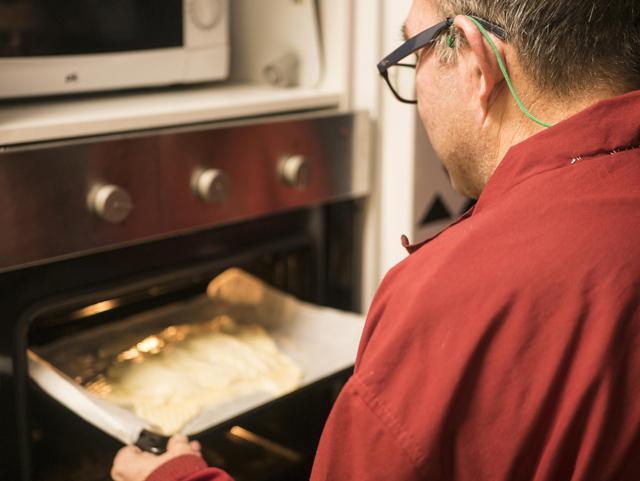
(50,47)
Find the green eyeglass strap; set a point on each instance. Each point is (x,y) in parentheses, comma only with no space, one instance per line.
(504,70)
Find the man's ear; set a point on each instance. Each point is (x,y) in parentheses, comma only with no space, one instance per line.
(485,70)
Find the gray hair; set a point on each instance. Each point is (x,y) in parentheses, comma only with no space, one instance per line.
(564,46)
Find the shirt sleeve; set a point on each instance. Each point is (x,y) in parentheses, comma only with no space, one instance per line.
(356,445)
(188,467)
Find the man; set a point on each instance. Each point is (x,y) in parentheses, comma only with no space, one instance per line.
(508,346)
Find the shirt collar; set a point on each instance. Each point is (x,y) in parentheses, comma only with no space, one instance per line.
(606,127)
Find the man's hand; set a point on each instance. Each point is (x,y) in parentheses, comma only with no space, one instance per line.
(133,464)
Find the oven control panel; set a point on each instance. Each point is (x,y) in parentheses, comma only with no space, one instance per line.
(72,197)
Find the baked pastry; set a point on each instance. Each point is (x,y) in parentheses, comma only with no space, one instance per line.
(167,379)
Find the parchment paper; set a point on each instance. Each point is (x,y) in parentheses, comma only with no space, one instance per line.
(322,341)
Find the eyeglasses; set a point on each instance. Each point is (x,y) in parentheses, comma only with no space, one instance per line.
(400,76)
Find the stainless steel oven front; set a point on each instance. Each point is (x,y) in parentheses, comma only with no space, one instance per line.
(98,228)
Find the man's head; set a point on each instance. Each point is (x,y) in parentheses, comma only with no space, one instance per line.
(561,55)
(565,46)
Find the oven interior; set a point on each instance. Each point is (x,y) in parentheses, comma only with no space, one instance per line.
(311,253)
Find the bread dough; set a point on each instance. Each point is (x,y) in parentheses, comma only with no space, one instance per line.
(169,386)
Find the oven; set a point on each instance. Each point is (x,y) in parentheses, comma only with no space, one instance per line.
(98,229)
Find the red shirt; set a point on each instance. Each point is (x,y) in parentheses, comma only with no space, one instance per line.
(187,467)
(508,346)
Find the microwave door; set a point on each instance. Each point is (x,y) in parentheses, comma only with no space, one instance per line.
(36,28)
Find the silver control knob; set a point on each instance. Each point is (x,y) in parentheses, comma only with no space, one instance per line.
(295,171)
(205,13)
(212,185)
(111,203)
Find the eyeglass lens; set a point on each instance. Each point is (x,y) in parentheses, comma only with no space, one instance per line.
(402,78)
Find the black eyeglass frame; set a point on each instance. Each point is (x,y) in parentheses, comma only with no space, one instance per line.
(422,40)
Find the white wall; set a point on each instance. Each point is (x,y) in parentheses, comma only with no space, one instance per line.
(377,31)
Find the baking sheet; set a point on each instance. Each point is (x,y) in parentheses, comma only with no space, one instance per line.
(322,341)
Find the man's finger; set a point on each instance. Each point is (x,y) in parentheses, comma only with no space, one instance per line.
(176,440)
(195,445)
(128,451)
(122,462)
